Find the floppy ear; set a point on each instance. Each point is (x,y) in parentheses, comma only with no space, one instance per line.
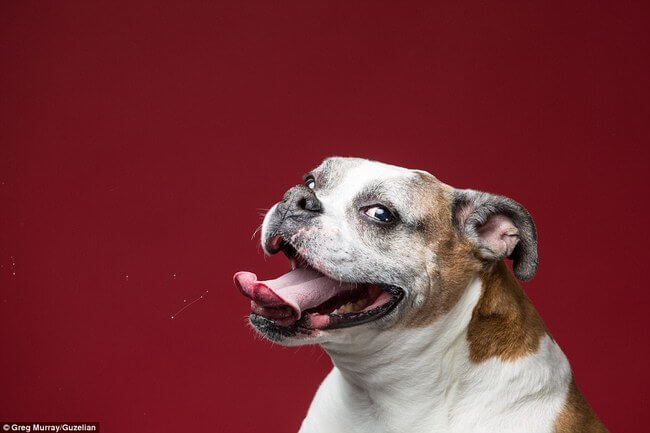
(499,227)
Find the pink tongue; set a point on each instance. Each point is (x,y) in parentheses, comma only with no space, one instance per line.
(296,291)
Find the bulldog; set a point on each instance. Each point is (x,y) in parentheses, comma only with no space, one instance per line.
(401,279)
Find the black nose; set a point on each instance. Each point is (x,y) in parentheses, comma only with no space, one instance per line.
(301,201)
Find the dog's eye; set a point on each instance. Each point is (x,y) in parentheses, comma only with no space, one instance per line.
(379,213)
(310,182)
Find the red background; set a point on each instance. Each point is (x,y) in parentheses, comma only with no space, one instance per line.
(143,140)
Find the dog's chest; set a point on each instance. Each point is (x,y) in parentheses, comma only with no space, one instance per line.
(494,396)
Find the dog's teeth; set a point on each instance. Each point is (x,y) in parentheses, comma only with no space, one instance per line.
(294,264)
(345,308)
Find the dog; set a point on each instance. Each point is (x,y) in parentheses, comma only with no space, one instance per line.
(401,279)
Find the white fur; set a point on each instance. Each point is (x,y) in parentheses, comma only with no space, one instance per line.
(421,380)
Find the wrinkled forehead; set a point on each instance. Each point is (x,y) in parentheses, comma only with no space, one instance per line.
(346,173)
(350,179)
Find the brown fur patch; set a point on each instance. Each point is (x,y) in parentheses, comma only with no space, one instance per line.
(504,322)
(456,261)
(577,416)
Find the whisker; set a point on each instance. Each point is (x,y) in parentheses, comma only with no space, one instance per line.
(257,230)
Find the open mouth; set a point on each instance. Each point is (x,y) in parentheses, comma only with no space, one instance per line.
(305,299)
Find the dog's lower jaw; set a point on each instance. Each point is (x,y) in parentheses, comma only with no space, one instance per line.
(422,380)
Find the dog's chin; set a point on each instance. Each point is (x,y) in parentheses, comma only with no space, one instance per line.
(298,336)
(286,335)
(287,311)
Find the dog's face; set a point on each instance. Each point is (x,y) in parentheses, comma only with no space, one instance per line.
(374,246)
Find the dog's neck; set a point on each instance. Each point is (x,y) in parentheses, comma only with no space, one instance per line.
(408,361)
(394,367)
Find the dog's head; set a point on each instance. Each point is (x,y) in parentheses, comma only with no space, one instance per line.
(374,246)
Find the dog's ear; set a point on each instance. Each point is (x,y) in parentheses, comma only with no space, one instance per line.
(499,227)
